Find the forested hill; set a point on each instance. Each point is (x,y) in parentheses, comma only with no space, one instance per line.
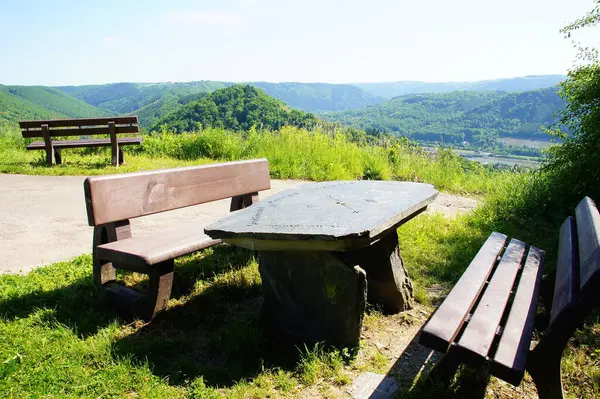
(459,116)
(236,108)
(39,102)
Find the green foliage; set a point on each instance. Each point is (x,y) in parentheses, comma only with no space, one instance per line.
(234,108)
(478,117)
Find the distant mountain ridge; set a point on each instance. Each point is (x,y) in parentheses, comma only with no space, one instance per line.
(459,116)
(524,83)
(340,102)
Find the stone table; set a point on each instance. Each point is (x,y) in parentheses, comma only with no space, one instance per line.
(322,247)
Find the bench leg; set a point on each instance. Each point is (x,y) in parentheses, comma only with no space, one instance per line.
(243,201)
(543,364)
(159,289)
(387,278)
(49,145)
(104,272)
(445,369)
(57,156)
(121,156)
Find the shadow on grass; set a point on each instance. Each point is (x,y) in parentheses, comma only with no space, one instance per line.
(79,305)
(214,330)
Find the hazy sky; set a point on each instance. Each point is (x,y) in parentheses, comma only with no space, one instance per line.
(62,42)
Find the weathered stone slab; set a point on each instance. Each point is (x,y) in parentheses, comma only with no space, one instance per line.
(335,215)
(312,297)
(373,386)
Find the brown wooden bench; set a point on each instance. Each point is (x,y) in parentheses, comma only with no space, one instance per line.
(112,200)
(81,127)
(488,317)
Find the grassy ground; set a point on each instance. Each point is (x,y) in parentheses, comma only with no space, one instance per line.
(58,339)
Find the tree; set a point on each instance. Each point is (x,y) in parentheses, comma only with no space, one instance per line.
(572,169)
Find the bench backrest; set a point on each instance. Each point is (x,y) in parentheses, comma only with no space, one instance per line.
(578,267)
(125,196)
(80,127)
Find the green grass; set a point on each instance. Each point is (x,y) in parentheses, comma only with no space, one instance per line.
(292,154)
(58,339)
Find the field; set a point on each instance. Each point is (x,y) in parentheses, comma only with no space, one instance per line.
(529,143)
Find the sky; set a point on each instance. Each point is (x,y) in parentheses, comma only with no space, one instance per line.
(63,42)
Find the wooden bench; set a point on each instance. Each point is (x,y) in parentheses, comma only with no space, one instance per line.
(488,317)
(81,127)
(112,200)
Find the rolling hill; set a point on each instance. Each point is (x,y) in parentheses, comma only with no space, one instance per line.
(459,116)
(235,108)
(40,102)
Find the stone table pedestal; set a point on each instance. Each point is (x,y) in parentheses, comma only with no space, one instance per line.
(325,248)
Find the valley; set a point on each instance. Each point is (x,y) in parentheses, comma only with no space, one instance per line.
(503,117)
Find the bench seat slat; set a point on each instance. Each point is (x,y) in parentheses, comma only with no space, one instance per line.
(511,355)
(588,233)
(149,250)
(40,145)
(479,334)
(445,324)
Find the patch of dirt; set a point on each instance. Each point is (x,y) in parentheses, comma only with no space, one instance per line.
(452,205)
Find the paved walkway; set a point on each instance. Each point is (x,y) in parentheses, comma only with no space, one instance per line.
(43,218)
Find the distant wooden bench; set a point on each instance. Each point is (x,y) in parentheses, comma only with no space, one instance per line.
(488,317)
(49,129)
(112,200)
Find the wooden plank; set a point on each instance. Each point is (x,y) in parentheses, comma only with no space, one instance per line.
(152,249)
(80,132)
(114,145)
(479,334)
(566,283)
(48,145)
(441,330)
(79,122)
(40,145)
(129,195)
(511,355)
(588,234)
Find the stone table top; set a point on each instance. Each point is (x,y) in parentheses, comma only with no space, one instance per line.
(336,215)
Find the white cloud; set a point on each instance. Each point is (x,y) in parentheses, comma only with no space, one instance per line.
(248,2)
(203,18)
